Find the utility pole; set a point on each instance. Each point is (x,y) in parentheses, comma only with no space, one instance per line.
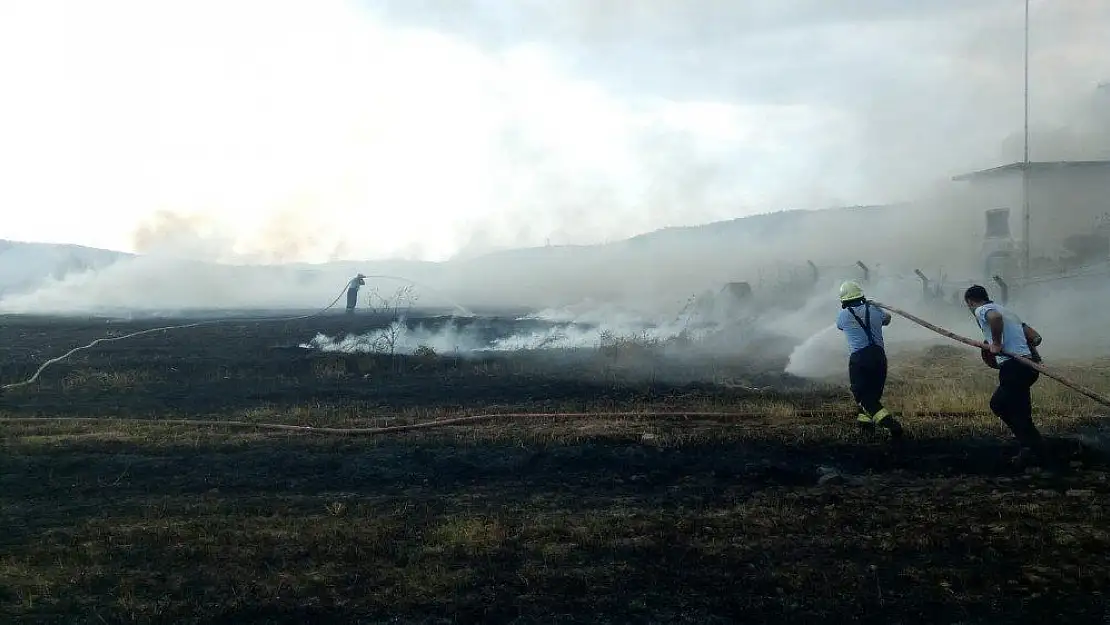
(1025,160)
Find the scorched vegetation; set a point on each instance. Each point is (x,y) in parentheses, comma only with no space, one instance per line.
(782,512)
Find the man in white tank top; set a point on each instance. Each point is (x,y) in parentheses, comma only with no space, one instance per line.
(1005,334)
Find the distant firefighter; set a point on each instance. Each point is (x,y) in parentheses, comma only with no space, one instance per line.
(352,291)
(862,325)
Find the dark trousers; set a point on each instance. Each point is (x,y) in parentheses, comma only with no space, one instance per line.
(1013,403)
(867,375)
(352,299)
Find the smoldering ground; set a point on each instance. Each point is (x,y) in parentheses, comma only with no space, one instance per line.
(702,339)
(800,341)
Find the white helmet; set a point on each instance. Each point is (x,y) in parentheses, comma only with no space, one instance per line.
(850,290)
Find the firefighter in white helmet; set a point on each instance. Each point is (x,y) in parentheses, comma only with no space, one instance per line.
(862,324)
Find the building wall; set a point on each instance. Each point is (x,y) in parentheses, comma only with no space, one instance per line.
(1063,202)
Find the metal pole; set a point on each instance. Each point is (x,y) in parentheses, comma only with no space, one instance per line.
(1025,159)
(1004,289)
(924,284)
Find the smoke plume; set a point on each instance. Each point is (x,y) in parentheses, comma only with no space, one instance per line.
(487,149)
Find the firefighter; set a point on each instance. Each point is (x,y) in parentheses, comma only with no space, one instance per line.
(352,291)
(862,325)
(1005,333)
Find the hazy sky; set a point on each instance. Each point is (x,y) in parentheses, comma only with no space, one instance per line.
(321,129)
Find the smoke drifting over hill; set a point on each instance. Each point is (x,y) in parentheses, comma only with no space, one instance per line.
(455,133)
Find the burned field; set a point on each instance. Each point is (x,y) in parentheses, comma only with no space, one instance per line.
(780,512)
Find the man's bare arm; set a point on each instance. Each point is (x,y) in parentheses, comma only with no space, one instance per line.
(996,323)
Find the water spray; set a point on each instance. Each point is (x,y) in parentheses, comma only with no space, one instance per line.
(810,349)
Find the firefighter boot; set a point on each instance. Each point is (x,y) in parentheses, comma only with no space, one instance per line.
(865,422)
(884,419)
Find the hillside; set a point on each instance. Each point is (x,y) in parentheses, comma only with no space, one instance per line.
(666,265)
(28,266)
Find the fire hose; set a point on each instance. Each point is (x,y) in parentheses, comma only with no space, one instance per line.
(437,423)
(727,417)
(1079,388)
(109,339)
(34,377)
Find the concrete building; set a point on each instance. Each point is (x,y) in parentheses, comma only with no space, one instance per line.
(1069,214)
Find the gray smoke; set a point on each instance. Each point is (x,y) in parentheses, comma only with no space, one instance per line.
(709,110)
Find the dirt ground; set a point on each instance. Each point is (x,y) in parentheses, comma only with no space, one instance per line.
(783,513)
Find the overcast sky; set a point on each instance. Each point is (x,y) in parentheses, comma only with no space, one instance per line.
(326,129)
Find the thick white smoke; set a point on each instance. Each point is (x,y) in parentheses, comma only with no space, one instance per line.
(739,333)
(823,352)
(438,129)
(556,331)
(1066,311)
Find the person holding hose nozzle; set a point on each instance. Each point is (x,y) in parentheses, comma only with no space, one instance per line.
(1005,333)
(352,291)
(862,325)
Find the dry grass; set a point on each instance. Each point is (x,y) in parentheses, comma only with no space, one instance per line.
(636,518)
(136,524)
(112,380)
(949,381)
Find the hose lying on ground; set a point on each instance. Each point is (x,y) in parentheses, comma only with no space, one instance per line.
(393,429)
(982,345)
(34,378)
(463,420)
(109,339)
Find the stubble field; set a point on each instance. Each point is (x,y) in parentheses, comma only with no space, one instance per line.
(776,512)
